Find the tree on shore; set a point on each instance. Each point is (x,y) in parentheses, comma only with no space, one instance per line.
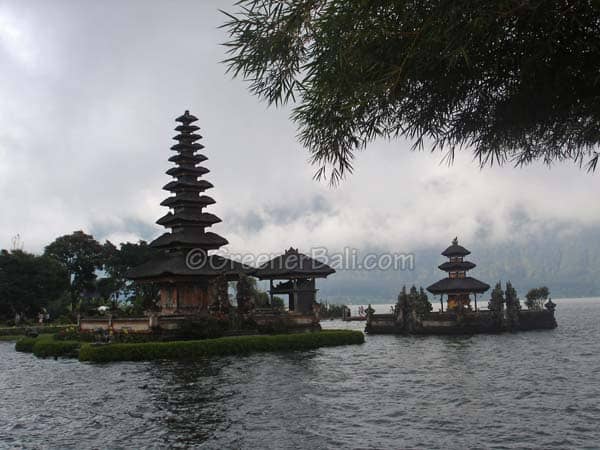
(536,298)
(30,284)
(515,81)
(513,304)
(80,255)
(496,303)
(117,262)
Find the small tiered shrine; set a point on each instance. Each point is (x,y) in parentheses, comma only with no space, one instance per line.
(298,273)
(457,286)
(190,280)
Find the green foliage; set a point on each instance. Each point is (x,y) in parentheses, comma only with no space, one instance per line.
(44,348)
(278,302)
(245,290)
(536,298)
(193,350)
(423,305)
(248,295)
(262,299)
(80,255)
(514,81)
(496,303)
(205,328)
(332,311)
(512,299)
(513,305)
(414,299)
(25,344)
(29,283)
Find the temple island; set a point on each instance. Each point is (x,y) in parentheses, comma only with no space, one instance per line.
(413,312)
(192,284)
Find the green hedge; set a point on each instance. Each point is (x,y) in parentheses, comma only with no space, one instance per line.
(46,346)
(25,344)
(218,347)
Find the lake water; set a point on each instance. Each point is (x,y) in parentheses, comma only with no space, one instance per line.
(527,390)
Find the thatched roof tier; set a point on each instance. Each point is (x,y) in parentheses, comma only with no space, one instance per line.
(187,128)
(186,170)
(455,250)
(187,159)
(293,264)
(181,146)
(187,198)
(190,238)
(456,266)
(174,264)
(186,118)
(190,186)
(180,219)
(187,138)
(465,285)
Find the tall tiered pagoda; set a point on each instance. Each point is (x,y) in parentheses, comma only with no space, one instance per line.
(457,286)
(186,274)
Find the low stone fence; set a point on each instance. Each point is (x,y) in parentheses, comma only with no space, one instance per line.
(265,319)
(121,324)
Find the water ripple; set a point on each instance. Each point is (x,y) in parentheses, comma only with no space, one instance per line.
(508,391)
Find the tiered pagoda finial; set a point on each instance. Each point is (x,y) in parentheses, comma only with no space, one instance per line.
(458,285)
(187,220)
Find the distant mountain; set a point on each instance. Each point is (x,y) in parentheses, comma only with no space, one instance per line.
(564,258)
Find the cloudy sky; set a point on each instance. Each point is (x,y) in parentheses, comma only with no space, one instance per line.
(88,94)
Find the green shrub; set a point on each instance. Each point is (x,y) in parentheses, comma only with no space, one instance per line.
(25,344)
(45,345)
(218,347)
(43,348)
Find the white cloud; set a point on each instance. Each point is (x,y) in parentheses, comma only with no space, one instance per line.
(86,133)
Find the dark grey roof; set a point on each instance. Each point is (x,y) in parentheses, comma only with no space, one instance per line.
(181,219)
(187,138)
(458,285)
(182,146)
(187,128)
(186,118)
(187,159)
(455,266)
(175,264)
(198,186)
(293,264)
(185,170)
(190,238)
(189,198)
(456,250)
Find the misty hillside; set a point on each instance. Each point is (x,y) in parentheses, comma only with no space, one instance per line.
(565,260)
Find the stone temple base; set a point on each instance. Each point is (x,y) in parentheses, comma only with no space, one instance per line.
(466,323)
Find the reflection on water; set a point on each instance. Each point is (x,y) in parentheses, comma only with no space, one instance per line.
(527,390)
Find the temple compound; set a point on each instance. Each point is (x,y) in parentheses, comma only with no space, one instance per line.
(190,280)
(193,283)
(413,312)
(457,286)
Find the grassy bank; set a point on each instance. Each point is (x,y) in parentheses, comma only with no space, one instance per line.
(189,350)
